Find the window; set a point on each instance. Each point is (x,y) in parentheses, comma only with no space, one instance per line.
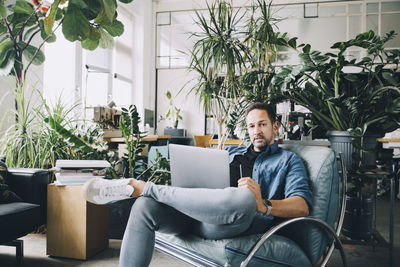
(90,78)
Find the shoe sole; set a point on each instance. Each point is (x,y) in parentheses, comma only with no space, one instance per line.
(85,190)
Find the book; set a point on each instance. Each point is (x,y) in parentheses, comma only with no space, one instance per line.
(75,172)
(82,164)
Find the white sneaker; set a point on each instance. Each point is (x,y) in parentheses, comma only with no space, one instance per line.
(102,191)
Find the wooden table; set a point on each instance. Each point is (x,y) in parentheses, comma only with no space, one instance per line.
(148,138)
(229,142)
(151,140)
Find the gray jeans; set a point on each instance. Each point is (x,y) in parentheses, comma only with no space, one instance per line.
(209,213)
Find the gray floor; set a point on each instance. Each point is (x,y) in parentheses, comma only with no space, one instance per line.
(365,256)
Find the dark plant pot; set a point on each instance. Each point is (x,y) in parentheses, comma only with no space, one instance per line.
(174,131)
(370,143)
(357,222)
(341,142)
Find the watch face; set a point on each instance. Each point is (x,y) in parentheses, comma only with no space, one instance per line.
(267,202)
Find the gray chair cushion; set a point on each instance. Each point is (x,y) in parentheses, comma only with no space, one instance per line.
(23,217)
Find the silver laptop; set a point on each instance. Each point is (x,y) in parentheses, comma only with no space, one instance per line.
(197,167)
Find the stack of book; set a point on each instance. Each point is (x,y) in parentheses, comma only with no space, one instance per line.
(76,172)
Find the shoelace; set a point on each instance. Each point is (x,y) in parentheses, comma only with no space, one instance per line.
(112,191)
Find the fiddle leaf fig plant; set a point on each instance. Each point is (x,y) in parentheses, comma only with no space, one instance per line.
(94,23)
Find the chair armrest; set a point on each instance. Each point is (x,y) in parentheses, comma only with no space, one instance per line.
(31,186)
(284,224)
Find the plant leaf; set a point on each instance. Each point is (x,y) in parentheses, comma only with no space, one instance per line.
(75,26)
(109,8)
(3,10)
(23,7)
(92,42)
(306,49)
(7,57)
(114,28)
(125,1)
(49,20)
(29,53)
(106,40)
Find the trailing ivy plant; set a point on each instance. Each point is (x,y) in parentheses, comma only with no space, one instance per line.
(129,125)
(93,23)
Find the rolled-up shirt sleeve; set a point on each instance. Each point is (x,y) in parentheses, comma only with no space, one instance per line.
(297,183)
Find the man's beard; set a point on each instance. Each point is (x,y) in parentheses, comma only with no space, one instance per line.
(260,145)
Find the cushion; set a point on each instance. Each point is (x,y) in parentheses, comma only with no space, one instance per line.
(278,251)
(18,219)
(6,195)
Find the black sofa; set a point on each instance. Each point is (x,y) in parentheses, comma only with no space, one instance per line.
(20,218)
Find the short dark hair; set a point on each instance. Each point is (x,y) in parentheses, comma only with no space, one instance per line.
(264,106)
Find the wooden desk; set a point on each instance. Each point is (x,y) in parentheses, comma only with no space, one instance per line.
(148,138)
(387,140)
(229,142)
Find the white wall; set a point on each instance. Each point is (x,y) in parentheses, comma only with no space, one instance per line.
(143,57)
(192,113)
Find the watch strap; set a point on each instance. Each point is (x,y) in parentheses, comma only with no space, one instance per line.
(268,204)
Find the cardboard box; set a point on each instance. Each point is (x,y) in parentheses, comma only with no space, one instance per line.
(75,228)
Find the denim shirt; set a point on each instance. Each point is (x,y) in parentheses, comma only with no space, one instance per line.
(279,172)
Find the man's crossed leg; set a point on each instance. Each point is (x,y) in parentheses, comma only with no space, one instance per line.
(209,213)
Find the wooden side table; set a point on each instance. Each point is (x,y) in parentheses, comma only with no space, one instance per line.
(75,228)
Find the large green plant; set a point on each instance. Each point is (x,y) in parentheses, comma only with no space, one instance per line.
(94,23)
(233,58)
(368,99)
(39,136)
(218,58)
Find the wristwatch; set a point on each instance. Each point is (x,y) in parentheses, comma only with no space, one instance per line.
(268,204)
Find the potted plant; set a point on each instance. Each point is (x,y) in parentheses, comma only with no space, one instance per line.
(233,62)
(173,114)
(352,104)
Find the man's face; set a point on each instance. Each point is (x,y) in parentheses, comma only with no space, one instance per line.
(262,132)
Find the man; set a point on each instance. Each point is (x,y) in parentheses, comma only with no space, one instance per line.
(274,184)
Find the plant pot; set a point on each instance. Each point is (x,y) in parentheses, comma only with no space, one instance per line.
(369,158)
(357,222)
(341,142)
(174,131)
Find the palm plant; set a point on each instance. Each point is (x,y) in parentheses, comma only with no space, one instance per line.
(233,58)
(218,57)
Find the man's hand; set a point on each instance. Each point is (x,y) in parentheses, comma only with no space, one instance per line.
(249,183)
